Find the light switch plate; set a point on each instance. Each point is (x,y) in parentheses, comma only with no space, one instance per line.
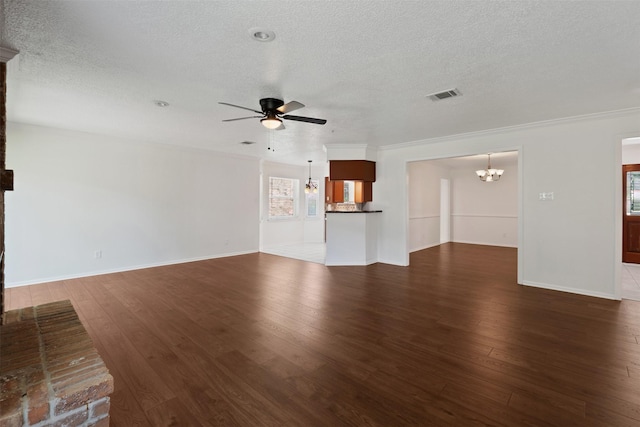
(545,197)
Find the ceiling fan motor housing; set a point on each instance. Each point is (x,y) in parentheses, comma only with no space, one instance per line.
(270,104)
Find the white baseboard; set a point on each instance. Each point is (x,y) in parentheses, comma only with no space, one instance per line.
(425,247)
(484,243)
(347,263)
(122,269)
(570,290)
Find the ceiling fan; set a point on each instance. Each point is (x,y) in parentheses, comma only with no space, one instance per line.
(273,110)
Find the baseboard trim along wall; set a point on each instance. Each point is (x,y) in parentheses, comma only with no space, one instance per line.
(426,247)
(570,290)
(120,270)
(470,242)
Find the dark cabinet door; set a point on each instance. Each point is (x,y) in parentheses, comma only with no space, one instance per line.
(333,191)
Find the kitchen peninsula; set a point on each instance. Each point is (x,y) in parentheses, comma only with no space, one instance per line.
(352,237)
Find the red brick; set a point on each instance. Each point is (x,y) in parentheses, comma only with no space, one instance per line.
(11,420)
(34,375)
(11,408)
(63,369)
(87,377)
(38,403)
(75,419)
(99,408)
(26,313)
(78,375)
(10,384)
(11,316)
(83,393)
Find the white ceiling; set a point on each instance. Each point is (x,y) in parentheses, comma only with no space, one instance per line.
(365,66)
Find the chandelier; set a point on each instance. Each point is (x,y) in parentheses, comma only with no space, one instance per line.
(489,174)
(310,186)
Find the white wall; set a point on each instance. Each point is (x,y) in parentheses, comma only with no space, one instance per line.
(631,154)
(572,243)
(485,213)
(140,204)
(298,230)
(424,204)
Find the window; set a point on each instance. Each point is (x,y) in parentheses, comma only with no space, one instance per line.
(311,199)
(283,197)
(349,191)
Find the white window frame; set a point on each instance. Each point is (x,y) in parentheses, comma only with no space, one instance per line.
(312,196)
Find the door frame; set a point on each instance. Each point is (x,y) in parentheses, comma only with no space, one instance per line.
(618,195)
(625,235)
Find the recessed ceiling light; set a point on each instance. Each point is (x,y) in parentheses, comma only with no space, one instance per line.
(161,103)
(262,34)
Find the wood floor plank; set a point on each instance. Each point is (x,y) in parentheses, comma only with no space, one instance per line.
(258,339)
(19,297)
(171,413)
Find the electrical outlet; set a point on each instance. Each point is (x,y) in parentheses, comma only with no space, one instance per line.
(545,197)
(98,254)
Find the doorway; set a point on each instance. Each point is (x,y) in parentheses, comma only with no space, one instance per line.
(631,214)
(447,202)
(630,184)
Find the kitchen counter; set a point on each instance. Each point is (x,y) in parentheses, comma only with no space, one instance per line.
(341,212)
(352,239)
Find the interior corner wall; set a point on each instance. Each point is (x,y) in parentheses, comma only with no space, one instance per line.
(302,228)
(485,213)
(424,204)
(87,204)
(631,154)
(567,244)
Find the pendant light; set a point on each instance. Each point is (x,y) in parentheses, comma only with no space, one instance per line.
(489,174)
(310,186)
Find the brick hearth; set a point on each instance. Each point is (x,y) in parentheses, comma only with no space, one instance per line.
(50,372)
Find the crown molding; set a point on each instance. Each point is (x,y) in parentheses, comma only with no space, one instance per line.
(533,125)
(7,54)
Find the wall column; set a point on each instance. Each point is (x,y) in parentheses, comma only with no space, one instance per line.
(6,176)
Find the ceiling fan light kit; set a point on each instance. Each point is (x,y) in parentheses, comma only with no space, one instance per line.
(271,122)
(274,111)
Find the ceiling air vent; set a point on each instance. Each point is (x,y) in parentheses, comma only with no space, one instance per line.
(247,142)
(444,95)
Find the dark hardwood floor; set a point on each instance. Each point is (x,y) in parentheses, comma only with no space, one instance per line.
(262,340)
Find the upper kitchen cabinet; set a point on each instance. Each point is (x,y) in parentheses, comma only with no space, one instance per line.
(333,191)
(363,191)
(352,170)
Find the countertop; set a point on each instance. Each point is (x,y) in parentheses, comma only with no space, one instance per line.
(350,212)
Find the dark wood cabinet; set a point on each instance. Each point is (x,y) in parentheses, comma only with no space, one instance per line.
(363,191)
(352,170)
(333,191)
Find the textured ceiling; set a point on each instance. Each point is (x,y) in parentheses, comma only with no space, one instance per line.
(365,66)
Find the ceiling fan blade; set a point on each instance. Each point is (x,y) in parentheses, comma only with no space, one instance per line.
(305,119)
(238,106)
(290,106)
(243,118)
